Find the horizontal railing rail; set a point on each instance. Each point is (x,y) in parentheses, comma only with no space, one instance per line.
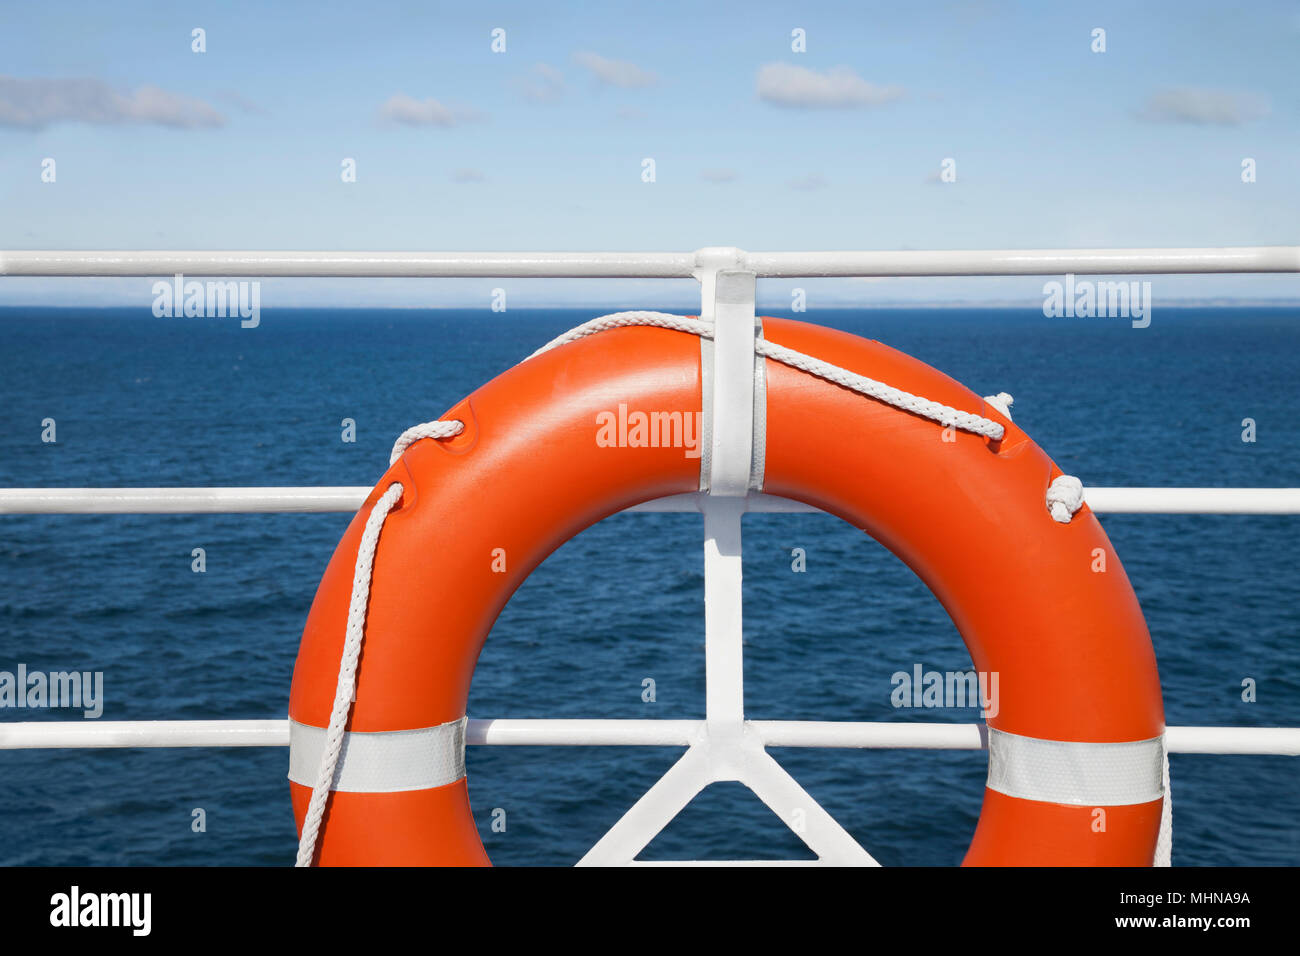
(348,498)
(652,265)
(546,732)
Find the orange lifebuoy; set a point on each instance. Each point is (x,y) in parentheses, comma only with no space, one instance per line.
(1080,716)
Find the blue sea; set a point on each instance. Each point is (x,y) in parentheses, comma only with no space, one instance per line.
(146,401)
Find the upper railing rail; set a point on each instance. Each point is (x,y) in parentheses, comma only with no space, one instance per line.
(652,265)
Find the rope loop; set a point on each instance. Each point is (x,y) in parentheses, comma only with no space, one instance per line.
(1002,402)
(434,429)
(345,691)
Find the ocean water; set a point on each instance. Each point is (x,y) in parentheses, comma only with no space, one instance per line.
(146,401)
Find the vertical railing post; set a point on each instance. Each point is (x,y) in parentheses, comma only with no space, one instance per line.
(727,300)
(726,748)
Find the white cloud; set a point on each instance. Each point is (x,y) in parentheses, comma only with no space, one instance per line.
(1204,107)
(409,111)
(784,84)
(545,84)
(619,73)
(37,103)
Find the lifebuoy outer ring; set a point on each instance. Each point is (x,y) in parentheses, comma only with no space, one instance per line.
(1080,720)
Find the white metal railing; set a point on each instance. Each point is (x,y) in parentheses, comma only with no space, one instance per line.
(67,501)
(594,732)
(724,745)
(653,265)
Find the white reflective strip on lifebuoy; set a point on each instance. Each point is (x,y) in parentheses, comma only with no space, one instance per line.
(382,762)
(1082,774)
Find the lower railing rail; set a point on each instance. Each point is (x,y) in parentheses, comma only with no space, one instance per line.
(547,732)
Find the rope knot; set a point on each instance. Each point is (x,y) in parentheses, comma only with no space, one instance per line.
(1064,498)
(1002,402)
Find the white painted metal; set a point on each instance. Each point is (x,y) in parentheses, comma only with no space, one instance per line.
(724,746)
(728,302)
(1015,262)
(1262,501)
(725,863)
(616,265)
(510,732)
(664,265)
(724,655)
(50,734)
(695,502)
(709,760)
(773,785)
(1233,740)
(583,733)
(181,500)
(348,498)
(655,810)
(874,735)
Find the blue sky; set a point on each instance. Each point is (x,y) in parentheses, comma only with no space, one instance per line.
(541,147)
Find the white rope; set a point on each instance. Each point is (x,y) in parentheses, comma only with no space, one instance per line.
(1165,841)
(434,429)
(905,401)
(346,689)
(1064,498)
(1002,402)
(616,320)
